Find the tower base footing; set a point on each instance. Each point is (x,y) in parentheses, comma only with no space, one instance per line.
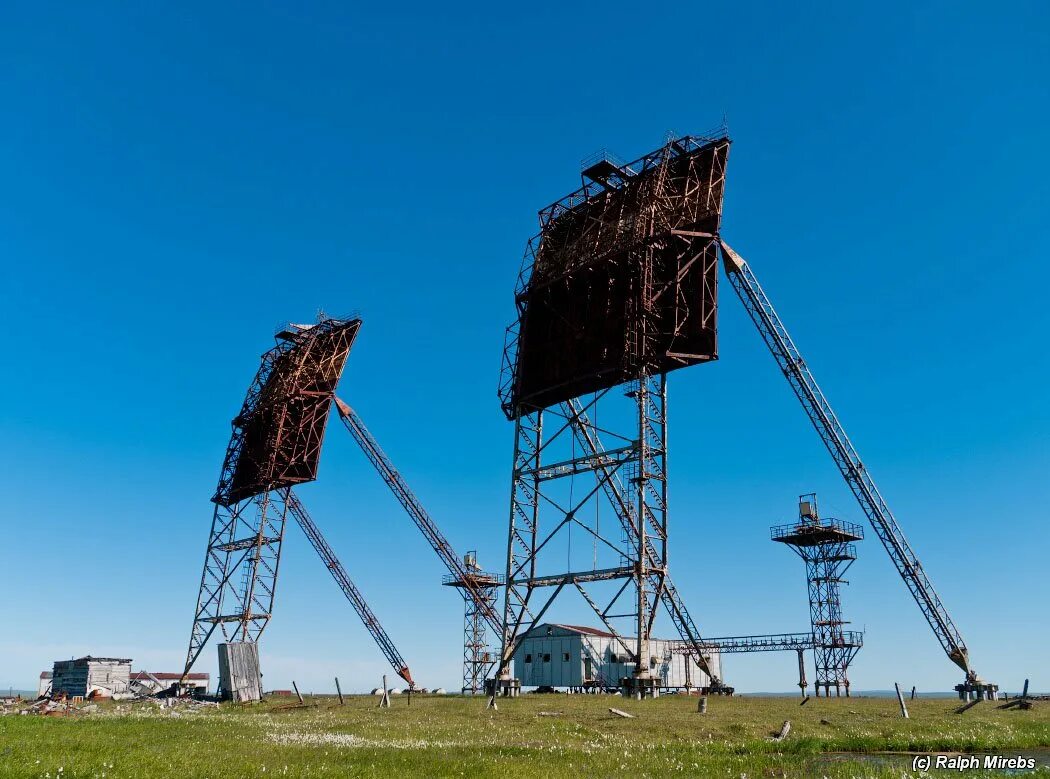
(639,687)
(977,690)
(503,687)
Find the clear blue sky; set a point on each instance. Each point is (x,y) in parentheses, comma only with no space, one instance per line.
(174,184)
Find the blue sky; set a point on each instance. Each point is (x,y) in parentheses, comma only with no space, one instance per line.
(178,182)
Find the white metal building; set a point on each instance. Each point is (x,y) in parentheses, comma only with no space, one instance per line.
(553,655)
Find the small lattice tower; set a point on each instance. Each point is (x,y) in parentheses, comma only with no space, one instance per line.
(477,657)
(827,547)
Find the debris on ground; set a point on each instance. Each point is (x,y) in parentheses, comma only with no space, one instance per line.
(62,707)
(783,731)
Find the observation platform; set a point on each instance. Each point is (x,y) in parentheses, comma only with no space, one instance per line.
(816,532)
(478,579)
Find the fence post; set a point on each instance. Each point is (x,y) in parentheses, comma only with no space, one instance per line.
(384,703)
(900,700)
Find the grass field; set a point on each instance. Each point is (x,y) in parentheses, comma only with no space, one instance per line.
(536,735)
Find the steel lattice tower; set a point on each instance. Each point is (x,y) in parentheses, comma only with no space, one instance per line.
(826,546)
(275,444)
(240,570)
(634,470)
(479,596)
(619,289)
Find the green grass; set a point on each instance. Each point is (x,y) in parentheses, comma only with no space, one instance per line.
(453,736)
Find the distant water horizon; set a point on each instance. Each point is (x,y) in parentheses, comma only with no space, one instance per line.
(9,691)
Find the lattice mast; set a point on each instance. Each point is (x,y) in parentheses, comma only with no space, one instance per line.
(827,547)
(618,289)
(275,444)
(477,657)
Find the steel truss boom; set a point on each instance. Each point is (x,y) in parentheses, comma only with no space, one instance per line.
(831,432)
(371,622)
(774,642)
(419,516)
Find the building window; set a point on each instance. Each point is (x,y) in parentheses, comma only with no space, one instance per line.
(528,658)
(613,658)
(652,662)
(565,657)
(546,658)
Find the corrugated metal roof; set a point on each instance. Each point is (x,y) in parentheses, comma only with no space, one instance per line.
(586,631)
(168,677)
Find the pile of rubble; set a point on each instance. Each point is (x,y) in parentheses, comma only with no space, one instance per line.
(61,707)
(45,707)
